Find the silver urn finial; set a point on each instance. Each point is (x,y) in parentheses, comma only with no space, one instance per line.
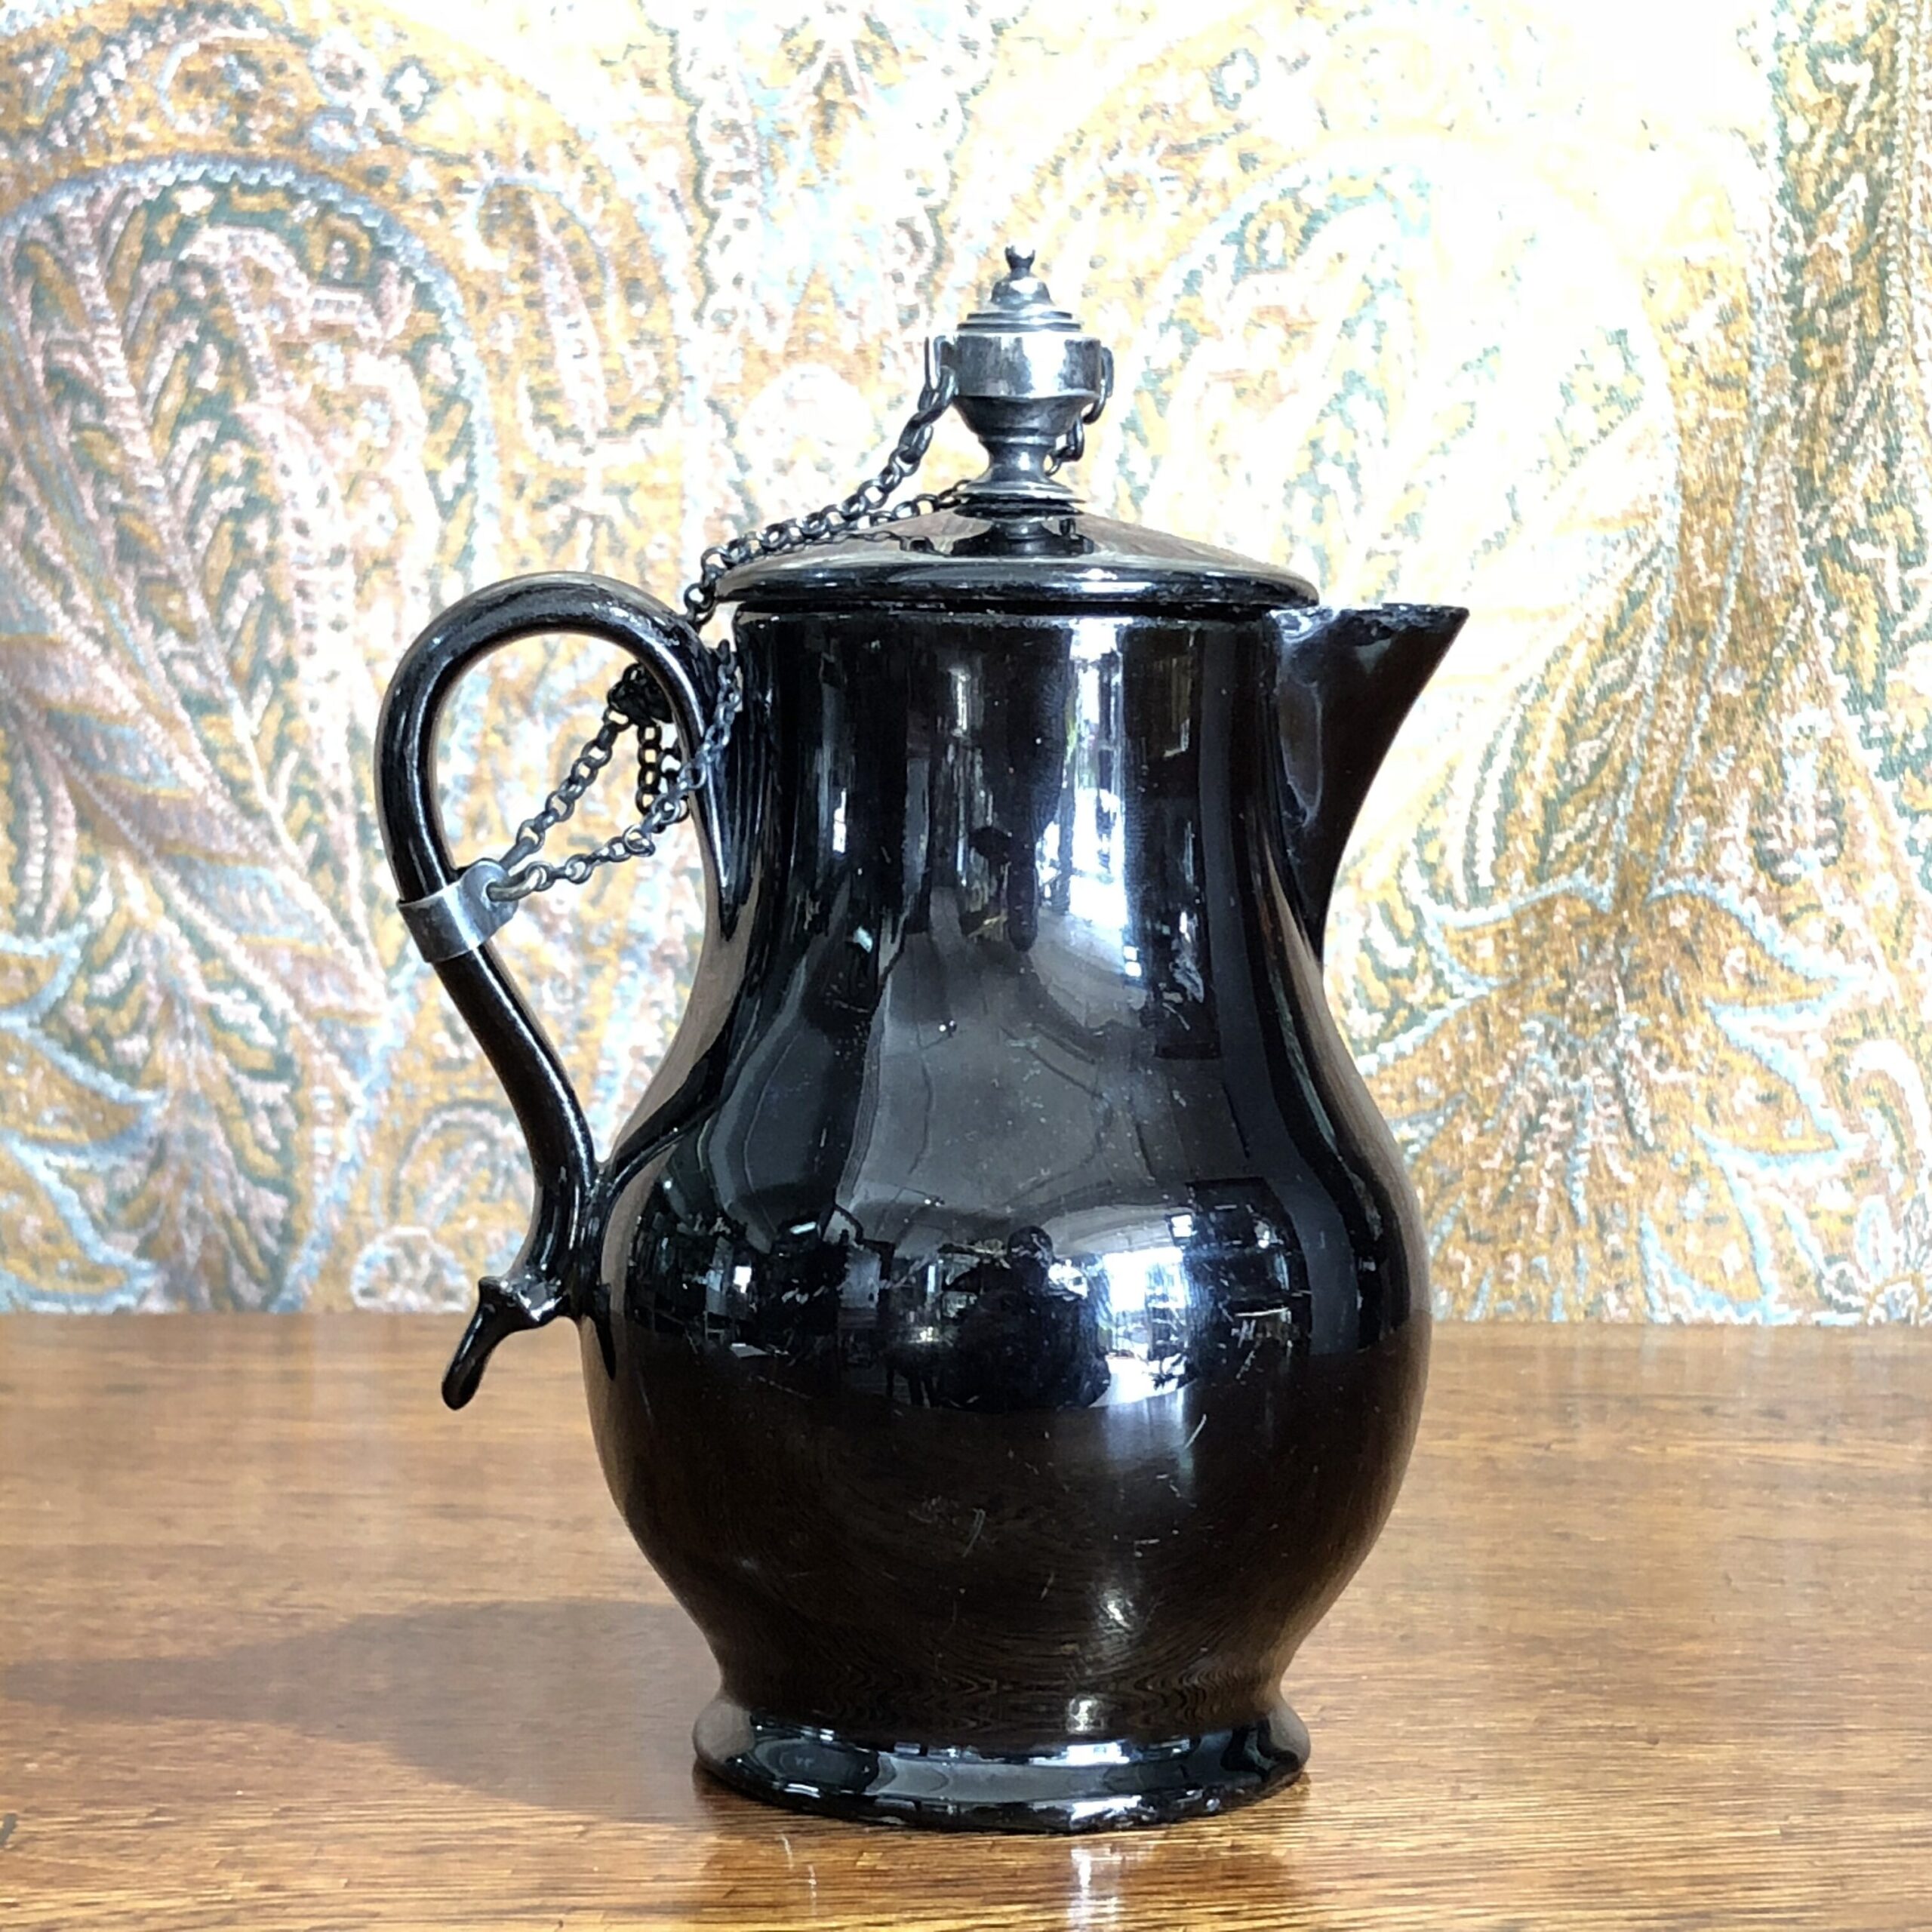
(1027,381)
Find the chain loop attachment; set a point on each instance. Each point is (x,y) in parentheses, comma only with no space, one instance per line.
(461,917)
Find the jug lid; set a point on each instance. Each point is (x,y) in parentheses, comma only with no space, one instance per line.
(966,560)
(1027,380)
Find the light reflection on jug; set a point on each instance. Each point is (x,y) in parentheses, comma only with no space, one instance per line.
(1218,1290)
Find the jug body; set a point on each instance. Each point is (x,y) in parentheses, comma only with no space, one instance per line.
(1004,1316)
(1011,1320)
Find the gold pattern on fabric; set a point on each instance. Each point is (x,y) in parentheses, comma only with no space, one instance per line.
(312,317)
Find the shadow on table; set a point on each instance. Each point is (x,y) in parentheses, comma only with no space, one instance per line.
(584,1707)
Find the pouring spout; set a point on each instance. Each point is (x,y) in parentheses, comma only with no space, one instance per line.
(1344,681)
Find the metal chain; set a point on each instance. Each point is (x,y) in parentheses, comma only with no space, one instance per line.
(668,777)
(1073,444)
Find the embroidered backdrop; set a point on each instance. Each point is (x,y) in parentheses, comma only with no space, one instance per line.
(1610,323)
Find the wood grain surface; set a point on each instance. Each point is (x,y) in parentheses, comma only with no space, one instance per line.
(285,1645)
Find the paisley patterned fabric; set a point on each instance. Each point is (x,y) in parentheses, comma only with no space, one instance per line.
(1610,323)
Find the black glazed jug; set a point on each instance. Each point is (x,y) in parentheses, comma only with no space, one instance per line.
(1004,1315)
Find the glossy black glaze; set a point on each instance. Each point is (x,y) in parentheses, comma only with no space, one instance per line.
(1003,1317)
(1074,1787)
(1010,1321)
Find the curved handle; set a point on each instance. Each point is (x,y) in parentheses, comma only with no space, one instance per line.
(451,916)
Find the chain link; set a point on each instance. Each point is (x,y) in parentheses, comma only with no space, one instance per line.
(664,791)
(865,505)
(667,776)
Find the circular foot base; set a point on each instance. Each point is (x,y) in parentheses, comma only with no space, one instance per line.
(1073,1787)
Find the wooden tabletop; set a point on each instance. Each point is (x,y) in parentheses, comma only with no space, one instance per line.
(284,1644)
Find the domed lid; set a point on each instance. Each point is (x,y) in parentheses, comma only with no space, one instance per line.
(1027,380)
(977,557)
